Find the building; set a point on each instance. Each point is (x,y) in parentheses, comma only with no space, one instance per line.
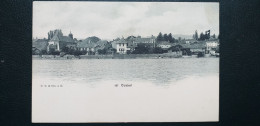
(122,46)
(194,48)
(149,41)
(164,45)
(211,46)
(40,45)
(92,47)
(177,49)
(188,41)
(57,41)
(35,51)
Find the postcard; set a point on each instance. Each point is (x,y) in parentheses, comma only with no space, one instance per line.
(106,62)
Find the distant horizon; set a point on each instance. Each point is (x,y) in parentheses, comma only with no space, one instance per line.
(110,20)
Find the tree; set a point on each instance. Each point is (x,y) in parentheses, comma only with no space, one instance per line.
(165,37)
(213,36)
(128,38)
(43,52)
(160,37)
(141,49)
(93,39)
(53,52)
(65,49)
(196,35)
(208,34)
(202,36)
(158,50)
(113,50)
(179,39)
(102,51)
(170,38)
(77,53)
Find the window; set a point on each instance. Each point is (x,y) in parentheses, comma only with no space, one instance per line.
(123,44)
(119,44)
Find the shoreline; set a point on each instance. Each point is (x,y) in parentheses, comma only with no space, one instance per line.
(117,56)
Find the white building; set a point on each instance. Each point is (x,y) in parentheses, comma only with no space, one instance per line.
(211,45)
(122,46)
(164,45)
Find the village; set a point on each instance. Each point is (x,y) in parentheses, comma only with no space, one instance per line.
(161,46)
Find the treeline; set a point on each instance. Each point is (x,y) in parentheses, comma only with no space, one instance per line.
(203,36)
(144,49)
(165,37)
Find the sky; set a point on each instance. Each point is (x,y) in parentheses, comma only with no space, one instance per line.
(109,20)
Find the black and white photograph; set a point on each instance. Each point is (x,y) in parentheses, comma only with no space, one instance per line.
(98,62)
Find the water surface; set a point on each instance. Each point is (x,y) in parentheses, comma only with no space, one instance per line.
(156,71)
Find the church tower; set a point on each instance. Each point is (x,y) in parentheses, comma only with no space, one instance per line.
(71,35)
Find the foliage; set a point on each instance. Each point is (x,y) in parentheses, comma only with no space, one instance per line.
(141,49)
(113,50)
(158,50)
(43,52)
(176,48)
(170,38)
(93,39)
(102,51)
(159,37)
(65,49)
(196,37)
(165,37)
(213,36)
(77,53)
(128,38)
(204,36)
(91,53)
(186,52)
(53,52)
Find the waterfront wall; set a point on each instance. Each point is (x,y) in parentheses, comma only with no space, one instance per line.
(115,56)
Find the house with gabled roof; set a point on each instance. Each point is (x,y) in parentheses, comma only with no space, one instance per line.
(148,41)
(86,45)
(195,48)
(40,44)
(91,47)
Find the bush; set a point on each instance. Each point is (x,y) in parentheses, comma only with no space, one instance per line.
(158,50)
(77,53)
(141,49)
(53,52)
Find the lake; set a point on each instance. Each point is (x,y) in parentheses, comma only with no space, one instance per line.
(161,72)
(169,90)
